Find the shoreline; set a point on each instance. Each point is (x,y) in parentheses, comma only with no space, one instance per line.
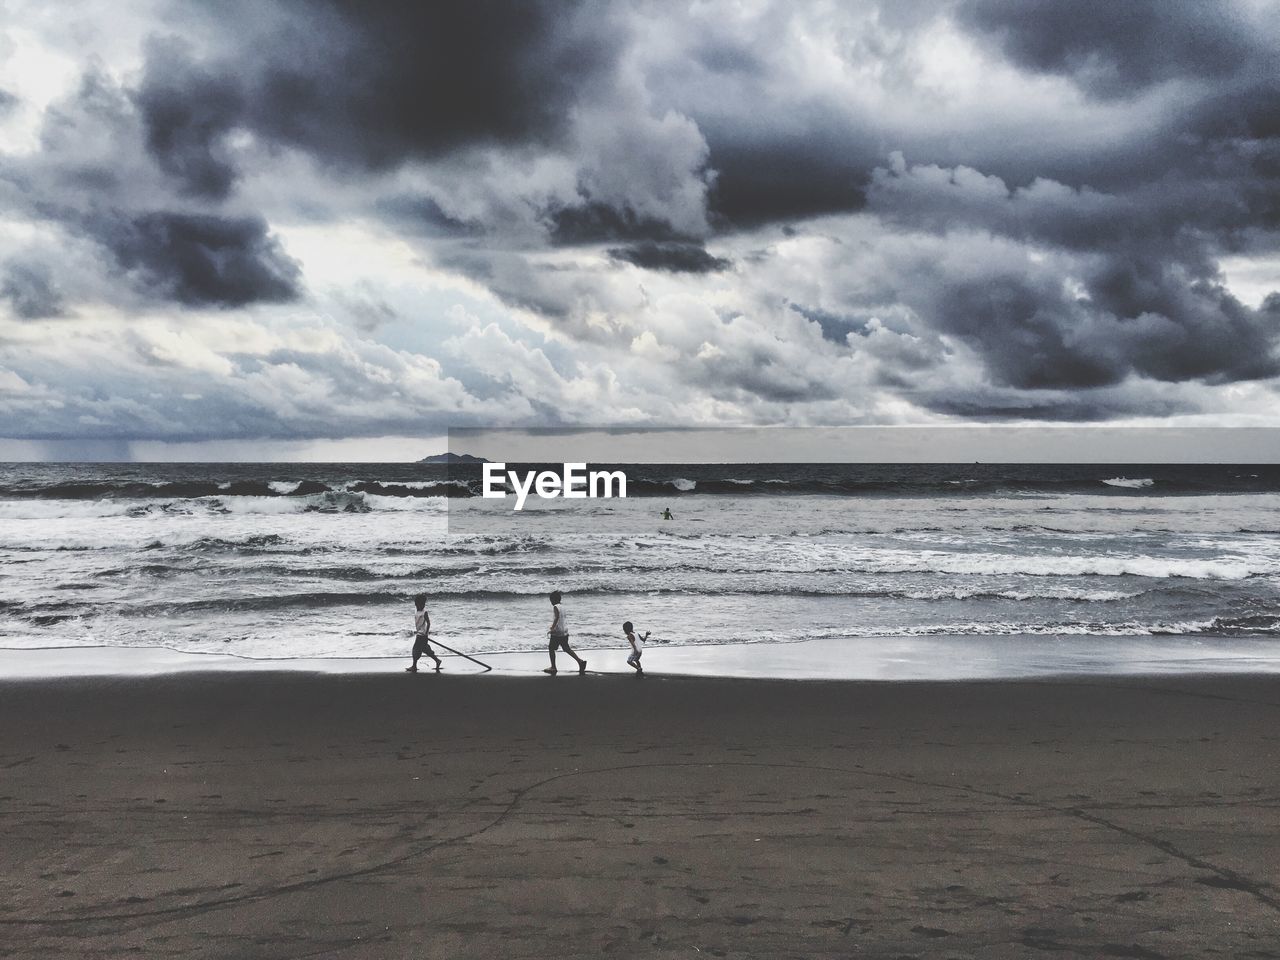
(890,659)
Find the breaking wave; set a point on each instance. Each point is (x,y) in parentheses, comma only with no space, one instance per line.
(1127,484)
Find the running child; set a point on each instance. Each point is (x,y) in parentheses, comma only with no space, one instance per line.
(637,647)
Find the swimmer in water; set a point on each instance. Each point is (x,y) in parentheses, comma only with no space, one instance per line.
(666,514)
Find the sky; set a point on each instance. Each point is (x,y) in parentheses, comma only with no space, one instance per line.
(327,230)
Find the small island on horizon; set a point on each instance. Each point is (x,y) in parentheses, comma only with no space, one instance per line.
(449,457)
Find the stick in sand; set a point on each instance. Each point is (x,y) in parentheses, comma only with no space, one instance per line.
(461,654)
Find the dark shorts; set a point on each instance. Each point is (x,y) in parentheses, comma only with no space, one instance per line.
(561,642)
(421,645)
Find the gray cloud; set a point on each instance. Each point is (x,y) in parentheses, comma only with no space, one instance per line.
(983,209)
(596,222)
(1113,49)
(1148,297)
(199,259)
(368,310)
(187,110)
(376,84)
(368,90)
(29,287)
(1143,319)
(763,182)
(673,257)
(91,180)
(423,214)
(1100,406)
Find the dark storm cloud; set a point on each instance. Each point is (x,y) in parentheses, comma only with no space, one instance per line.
(372,85)
(7,102)
(86,178)
(672,257)
(1114,48)
(198,259)
(186,111)
(1052,252)
(1131,317)
(1134,289)
(765,182)
(799,155)
(1094,406)
(31,290)
(595,222)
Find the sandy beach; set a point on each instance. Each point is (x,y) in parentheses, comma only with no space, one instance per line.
(293,815)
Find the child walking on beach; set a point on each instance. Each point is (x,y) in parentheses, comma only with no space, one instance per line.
(422,631)
(558,634)
(637,647)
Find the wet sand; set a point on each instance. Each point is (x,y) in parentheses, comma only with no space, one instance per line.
(296,815)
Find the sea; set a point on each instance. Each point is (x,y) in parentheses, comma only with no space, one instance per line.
(1087,567)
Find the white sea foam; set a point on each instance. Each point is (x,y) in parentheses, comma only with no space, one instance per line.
(426,484)
(69,509)
(1099,629)
(259,505)
(1220,568)
(406,504)
(1046,593)
(680,483)
(1128,484)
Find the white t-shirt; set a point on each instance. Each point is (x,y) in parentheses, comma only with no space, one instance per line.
(420,622)
(639,641)
(560,626)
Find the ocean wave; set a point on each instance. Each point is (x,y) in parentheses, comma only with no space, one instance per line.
(331,501)
(646,482)
(207,489)
(1256,625)
(1127,484)
(65,509)
(160,490)
(446,488)
(520,581)
(1067,628)
(1249,623)
(1156,568)
(286,601)
(1222,625)
(256,541)
(523,545)
(157,570)
(641,485)
(337,501)
(1070,594)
